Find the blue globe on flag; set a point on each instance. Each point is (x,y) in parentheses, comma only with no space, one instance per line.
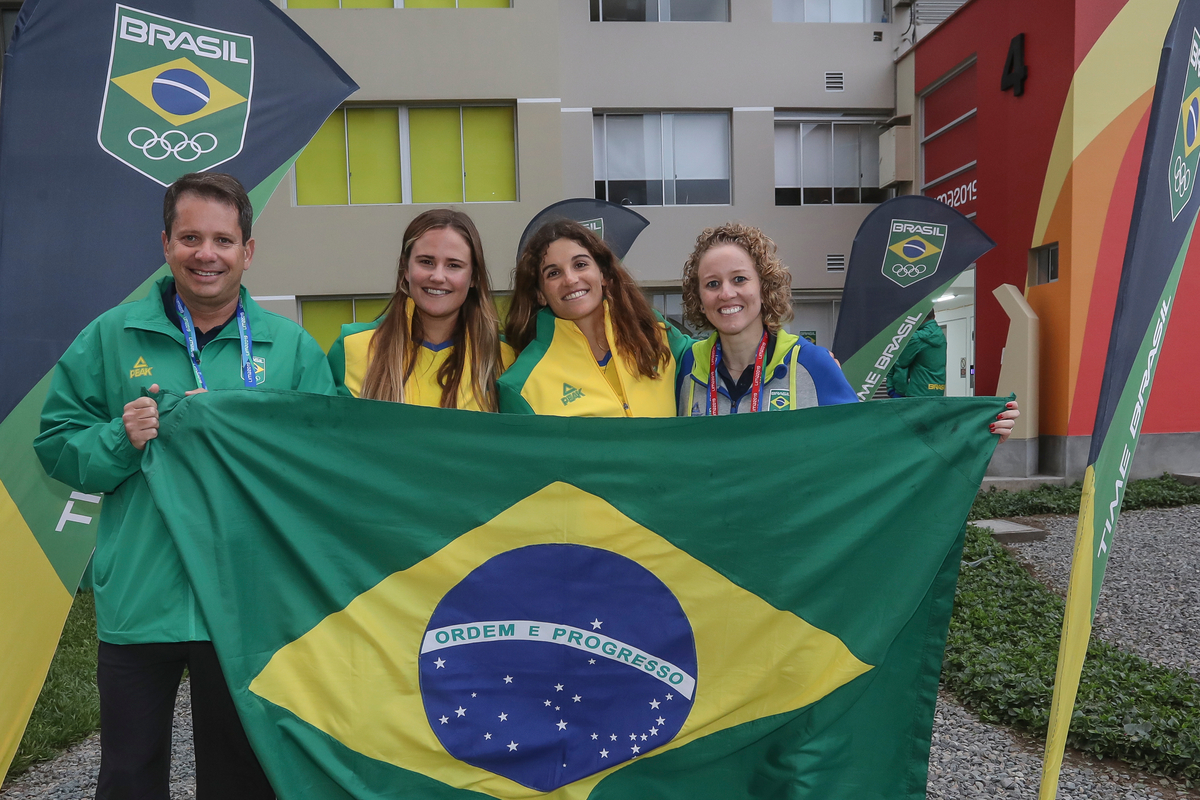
(914,248)
(552,662)
(180,91)
(1192,123)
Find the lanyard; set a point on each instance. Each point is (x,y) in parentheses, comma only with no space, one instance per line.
(755,384)
(189,335)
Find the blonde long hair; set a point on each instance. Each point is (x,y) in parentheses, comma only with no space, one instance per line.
(635,326)
(394,348)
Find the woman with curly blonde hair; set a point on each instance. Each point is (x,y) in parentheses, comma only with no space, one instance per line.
(735,284)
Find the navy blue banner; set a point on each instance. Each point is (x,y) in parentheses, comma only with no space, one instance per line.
(617,225)
(105,104)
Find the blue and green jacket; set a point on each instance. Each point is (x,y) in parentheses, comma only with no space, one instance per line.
(799,375)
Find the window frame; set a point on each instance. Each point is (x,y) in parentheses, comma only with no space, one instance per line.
(596,13)
(395,4)
(406,153)
(797,120)
(775,15)
(663,152)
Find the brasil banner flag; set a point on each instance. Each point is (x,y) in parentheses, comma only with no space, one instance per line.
(1160,235)
(422,602)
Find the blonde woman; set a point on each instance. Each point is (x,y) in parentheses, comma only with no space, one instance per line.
(438,341)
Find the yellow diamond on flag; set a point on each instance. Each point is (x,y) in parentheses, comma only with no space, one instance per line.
(356,675)
(179,91)
(914,248)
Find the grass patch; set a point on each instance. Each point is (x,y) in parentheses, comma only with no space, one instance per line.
(68,709)
(1164,492)
(1000,661)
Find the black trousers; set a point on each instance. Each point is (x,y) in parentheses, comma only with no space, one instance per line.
(138,684)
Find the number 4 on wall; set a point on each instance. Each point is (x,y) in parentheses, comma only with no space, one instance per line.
(1014,67)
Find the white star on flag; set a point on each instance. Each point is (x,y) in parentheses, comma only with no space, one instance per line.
(591,661)
(604,754)
(439,663)
(633,737)
(487,736)
(654,704)
(503,717)
(557,708)
(596,623)
(472,694)
(460,711)
(654,731)
(661,721)
(562,726)
(547,702)
(613,737)
(670,696)
(576,698)
(594,737)
(512,746)
(558,687)
(636,749)
(508,678)
(445,720)
(643,737)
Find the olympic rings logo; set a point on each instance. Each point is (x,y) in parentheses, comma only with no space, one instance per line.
(172,143)
(908,270)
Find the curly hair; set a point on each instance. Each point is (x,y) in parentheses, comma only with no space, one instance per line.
(776,280)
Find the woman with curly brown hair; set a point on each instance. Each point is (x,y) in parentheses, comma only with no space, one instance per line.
(438,341)
(590,344)
(734,283)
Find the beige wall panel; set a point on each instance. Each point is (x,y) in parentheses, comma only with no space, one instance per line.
(627,65)
(442,53)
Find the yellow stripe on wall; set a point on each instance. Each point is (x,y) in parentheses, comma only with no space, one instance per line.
(321,168)
(435,147)
(373,144)
(489,154)
(33,608)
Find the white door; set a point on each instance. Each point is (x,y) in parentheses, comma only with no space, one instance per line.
(958,357)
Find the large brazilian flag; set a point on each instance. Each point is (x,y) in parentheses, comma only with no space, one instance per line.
(423,602)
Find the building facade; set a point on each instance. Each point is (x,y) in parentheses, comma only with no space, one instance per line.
(693,112)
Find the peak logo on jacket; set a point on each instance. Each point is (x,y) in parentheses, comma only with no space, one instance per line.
(570,394)
(141,369)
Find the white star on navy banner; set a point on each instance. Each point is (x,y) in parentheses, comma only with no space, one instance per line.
(471,684)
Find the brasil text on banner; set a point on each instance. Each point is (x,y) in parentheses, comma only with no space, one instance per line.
(1160,235)
(103,105)
(427,602)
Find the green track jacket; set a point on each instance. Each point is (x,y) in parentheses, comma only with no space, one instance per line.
(142,594)
(920,371)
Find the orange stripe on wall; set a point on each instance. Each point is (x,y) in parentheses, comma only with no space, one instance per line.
(1095,174)
(1101,298)
(1052,303)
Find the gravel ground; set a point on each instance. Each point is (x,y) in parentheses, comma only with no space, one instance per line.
(1152,586)
(1151,594)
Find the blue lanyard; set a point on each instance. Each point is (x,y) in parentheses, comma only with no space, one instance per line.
(189,336)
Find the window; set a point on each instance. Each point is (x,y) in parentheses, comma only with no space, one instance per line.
(410,154)
(662,159)
(1043,265)
(325,317)
(8,21)
(660,10)
(399,3)
(830,11)
(827,162)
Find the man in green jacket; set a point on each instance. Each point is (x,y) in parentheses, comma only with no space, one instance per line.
(197,330)
(920,371)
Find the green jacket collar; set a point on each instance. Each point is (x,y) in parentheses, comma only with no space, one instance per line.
(148,314)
